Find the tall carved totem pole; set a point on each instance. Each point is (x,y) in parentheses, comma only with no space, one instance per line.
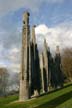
(25,63)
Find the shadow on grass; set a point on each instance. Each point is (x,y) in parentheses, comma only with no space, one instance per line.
(55,90)
(57,101)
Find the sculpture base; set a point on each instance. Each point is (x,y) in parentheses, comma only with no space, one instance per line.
(24,90)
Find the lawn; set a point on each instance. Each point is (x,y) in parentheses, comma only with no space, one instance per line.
(61,98)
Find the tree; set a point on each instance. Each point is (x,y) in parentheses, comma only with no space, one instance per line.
(13,82)
(3,80)
(67,62)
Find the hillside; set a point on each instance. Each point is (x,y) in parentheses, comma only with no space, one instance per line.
(56,99)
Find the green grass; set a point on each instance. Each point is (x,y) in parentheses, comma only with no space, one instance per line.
(56,99)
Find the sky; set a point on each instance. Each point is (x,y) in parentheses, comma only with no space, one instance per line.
(53,20)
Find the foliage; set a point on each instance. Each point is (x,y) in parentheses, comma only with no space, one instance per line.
(3,80)
(67,62)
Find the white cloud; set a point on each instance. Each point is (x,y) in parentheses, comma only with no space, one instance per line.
(10,58)
(60,35)
(41,29)
(13,5)
(14,67)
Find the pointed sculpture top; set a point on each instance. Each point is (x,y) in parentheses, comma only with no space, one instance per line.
(45,44)
(57,50)
(34,26)
(33,34)
(26,18)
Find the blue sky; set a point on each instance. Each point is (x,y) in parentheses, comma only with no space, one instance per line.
(49,12)
(52,16)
